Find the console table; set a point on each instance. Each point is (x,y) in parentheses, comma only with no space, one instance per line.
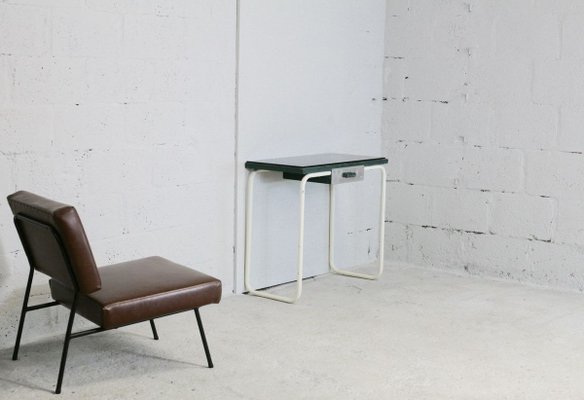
(328,168)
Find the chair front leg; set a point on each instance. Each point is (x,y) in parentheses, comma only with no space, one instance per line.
(66,344)
(203,338)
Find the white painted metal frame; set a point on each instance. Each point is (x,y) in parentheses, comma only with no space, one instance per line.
(300,250)
(381,235)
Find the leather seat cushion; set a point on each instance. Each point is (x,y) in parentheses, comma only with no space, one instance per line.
(140,290)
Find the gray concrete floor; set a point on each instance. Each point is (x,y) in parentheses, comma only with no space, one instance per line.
(415,334)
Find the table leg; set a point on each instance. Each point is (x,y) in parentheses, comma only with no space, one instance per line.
(381,236)
(300,249)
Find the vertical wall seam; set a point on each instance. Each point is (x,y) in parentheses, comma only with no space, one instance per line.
(236,148)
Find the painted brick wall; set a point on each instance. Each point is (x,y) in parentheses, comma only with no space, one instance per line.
(125,109)
(484,126)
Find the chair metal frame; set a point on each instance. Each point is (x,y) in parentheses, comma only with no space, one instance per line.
(18,219)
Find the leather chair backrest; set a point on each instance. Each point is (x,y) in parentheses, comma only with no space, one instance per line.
(54,241)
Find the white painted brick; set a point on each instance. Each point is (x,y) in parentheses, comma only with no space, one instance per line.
(394,75)
(449,31)
(209,122)
(434,247)
(408,204)
(154,37)
(559,7)
(120,80)
(208,23)
(492,169)
(523,32)
(5,86)
(461,122)
(26,129)
(34,40)
(172,166)
(49,80)
(570,223)
(407,120)
(430,164)
(460,209)
(220,11)
(95,126)
(571,133)
(6,184)
(395,153)
(205,77)
(144,213)
(435,77)
(173,80)
(137,79)
(103,216)
(522,216)
(559,82)
(479,36)
(122,6)
(98,170)
(170,7)
(136,172)
(425,31)
(497,256)
(572,33)
(397,7)
(554,174)
(396,243)
(525,126)
(443,9)
(398,27)
(126,247)
(443,22)
(149,124)
(51,4)
(491,86)
(78,33)
(508,138)
(11,245)
(36,171)
(105,80)
(557,265)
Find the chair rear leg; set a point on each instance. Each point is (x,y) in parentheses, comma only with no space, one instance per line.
(203,338)
(22,315)
(154,332)
(66,345)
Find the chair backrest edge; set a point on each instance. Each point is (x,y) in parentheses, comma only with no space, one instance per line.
(65,223)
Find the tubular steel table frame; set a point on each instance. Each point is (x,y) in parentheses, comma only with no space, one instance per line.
(300,249)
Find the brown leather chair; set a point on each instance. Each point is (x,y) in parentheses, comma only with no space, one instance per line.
(112,296)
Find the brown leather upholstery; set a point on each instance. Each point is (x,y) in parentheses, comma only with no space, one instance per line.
(140,290)
(111,296)
(66,222)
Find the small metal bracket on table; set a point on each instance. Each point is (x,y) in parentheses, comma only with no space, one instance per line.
(331,169)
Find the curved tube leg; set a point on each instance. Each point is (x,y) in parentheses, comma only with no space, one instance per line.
(381,236)
(300,248)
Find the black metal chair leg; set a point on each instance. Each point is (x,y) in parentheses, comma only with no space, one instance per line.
(66,345)
(22,315)
(203,338)
(154,332)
